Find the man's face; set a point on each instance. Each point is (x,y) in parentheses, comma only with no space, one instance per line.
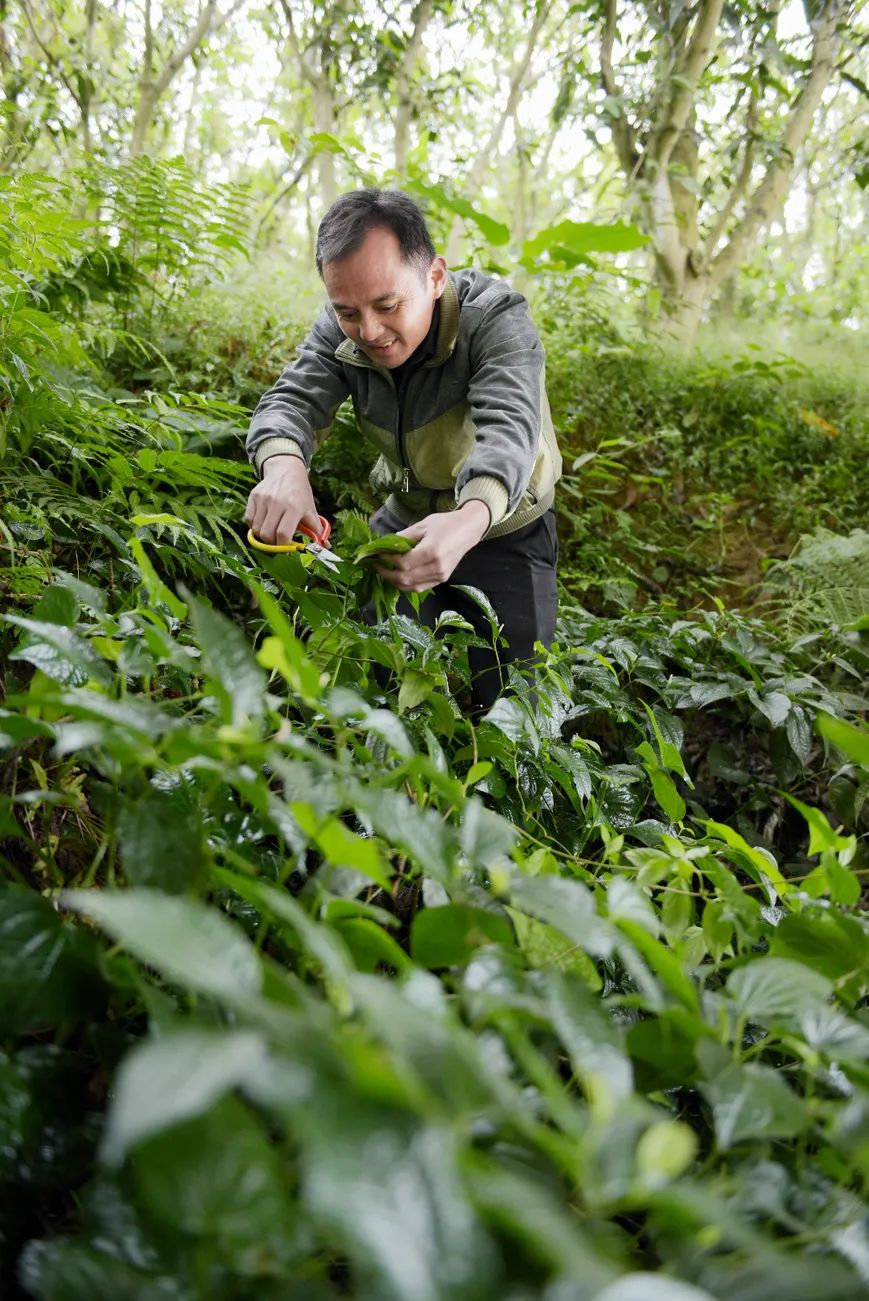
(382,302)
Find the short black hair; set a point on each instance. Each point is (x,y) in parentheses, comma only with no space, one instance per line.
(350,218)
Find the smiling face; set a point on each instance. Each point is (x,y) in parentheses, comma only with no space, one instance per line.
(383,303)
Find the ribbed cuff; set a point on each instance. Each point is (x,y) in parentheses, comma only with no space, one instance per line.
(275,447)
(491,492)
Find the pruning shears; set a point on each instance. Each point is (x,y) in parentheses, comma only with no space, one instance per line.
(317,545)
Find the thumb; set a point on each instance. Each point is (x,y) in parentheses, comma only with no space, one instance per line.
(414,531)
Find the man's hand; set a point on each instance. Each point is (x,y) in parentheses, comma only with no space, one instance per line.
(282,501)
(441,541)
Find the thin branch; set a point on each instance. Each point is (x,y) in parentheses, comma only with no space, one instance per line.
(740,186)
(622,131)
(406,67)
(291,184)
(770,192)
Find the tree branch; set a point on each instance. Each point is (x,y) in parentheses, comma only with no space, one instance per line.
(623,134)
(407,66)
(740,186)
(770,192)
(685,78)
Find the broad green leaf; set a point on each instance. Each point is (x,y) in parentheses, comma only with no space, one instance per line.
(487,838)
(593,1039)
(447,936)
(757,862)
(832,943)
(174,1078)
(64,1269)
(59,652)
(370,946)
(340,846)
(753,1101)
(162,843)
(852,741)
(773,991)
(664,962)
(775,705)
(48,969)
(387,544)
(157,590)
(533,1212)
(821,834)
(567,905)
(799,733)
(583,237)
(415,688)
(218,1177)
(652,1287)
(389,1192)
(229,660)
(548,949)
(666,794)
(190,942)
(495,231)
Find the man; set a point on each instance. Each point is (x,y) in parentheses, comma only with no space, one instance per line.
(446,374)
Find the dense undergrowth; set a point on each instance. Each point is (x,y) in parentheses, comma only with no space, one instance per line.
(311,988)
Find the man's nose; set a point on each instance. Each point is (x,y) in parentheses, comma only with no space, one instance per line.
(369,328)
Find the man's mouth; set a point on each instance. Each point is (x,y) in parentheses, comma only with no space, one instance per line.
(381,347)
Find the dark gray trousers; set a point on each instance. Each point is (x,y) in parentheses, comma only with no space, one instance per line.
(517,575)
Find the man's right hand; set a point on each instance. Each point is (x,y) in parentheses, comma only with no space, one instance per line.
(282,501)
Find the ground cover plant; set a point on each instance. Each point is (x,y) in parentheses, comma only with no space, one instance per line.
(308,986)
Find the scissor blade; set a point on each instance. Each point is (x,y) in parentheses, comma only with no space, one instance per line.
(324,555)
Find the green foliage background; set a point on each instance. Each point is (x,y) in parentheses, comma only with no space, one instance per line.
(308,986)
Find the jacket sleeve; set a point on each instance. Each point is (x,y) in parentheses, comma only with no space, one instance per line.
(295,415)
(505,392)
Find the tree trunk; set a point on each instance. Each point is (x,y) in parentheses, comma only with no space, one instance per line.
(404,83)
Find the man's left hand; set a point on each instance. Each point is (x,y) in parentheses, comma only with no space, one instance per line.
(441,541)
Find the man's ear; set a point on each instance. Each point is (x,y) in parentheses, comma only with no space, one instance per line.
(438,275)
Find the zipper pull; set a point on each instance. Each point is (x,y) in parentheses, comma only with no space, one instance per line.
(406,480)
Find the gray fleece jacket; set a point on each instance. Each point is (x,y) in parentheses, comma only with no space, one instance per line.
(473,422)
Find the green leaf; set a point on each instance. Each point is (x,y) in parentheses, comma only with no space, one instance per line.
(821,835)
(495,231)
(218,1178)
(59,652)
(753,1101)
(567,905)
(157,590)
(593,1039)
(188,941)
(799,733)
(830,942)
(585,237)
(759,864)
(852,741)
(48,969)
(162,843)
(229,660)
(666,794)
(386,544)
(663,962)
(774,991)
(652,1287)
(548,949)
(174,1078)
(774,705)
(449,935)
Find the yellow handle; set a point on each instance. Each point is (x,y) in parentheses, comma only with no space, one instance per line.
(275,548)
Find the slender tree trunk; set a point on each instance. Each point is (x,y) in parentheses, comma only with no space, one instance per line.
(152,85)
(404,83)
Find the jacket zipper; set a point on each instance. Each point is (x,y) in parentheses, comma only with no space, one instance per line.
(399,425)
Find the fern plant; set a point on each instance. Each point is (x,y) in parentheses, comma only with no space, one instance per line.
(825,581)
